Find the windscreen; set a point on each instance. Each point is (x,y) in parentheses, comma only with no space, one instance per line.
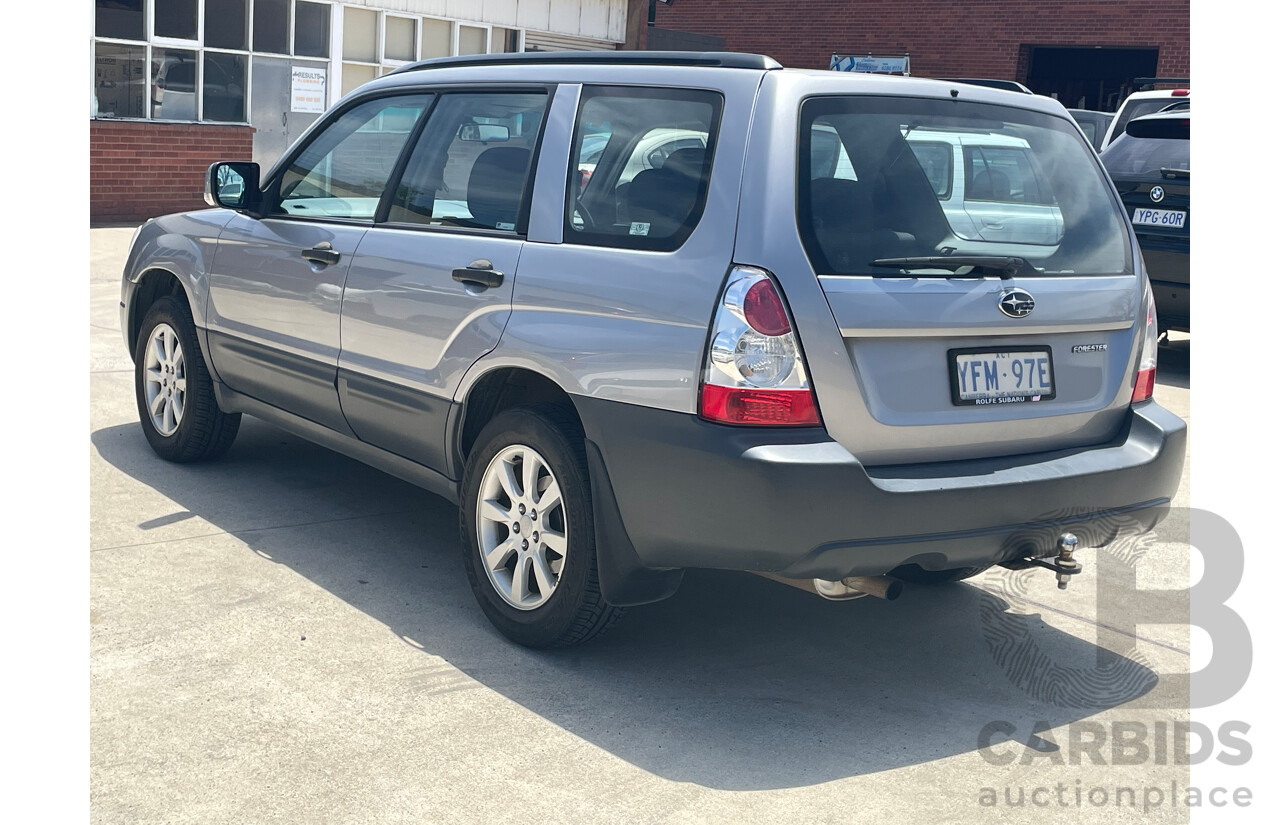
(886,177)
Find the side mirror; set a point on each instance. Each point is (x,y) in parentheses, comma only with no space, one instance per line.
(483,132)
(234,185)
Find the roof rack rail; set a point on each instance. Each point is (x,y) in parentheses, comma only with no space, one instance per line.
(729,60)
(1149,82)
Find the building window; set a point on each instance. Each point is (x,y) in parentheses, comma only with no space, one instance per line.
(226,24)
(472,40)
(173,84)
(437,38)
(399,40)
(225,80)
(311,29)
(123,19)
(120,80)
(195,60)
(360,35)
(271,26)
(177,19)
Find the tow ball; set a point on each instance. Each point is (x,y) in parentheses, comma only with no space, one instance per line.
(1064,564)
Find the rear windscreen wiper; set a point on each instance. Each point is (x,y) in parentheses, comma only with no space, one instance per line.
(1006,266)
(1166,172)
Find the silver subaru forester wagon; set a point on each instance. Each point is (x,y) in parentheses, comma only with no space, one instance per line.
(642,312)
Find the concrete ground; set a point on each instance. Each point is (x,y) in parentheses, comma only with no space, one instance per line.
(287,635)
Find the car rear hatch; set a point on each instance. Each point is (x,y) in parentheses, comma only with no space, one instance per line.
(985,298)
(1151,169)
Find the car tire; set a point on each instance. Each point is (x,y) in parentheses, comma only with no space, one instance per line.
(533,573)
(176,405)
(918,575)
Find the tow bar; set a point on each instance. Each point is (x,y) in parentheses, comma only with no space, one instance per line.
(1064,564)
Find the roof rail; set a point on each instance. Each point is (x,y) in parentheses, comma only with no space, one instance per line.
(728,60)
(1149,82)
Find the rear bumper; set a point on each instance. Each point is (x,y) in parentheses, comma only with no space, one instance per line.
(796,503)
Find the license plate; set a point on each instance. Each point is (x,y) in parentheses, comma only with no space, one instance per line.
(1170,218)
(981,377)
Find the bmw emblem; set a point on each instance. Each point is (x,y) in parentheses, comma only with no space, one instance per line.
(1016,303)
(1157,194)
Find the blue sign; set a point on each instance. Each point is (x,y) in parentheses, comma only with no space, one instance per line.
(873,64)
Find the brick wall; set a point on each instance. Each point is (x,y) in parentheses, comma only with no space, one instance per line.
(945,38)
(139,170)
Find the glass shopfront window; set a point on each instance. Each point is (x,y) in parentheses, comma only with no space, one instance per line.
(120,80)
(197,60)
(123,19)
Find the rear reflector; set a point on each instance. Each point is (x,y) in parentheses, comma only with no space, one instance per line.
(1145,386)
(744,405)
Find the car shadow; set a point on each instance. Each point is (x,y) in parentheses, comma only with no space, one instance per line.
(736,683)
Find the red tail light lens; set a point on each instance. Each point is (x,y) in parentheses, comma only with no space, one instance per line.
(1144,385)
(737,405)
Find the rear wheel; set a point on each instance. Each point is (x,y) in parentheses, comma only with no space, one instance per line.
(179,413)
(918,575)
(528,532)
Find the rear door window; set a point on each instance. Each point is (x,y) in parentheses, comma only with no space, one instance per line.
(472,165)
(641,166)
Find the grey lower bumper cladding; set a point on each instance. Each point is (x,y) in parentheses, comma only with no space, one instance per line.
(794,502)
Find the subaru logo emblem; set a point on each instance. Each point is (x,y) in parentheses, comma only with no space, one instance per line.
(1157,194)
(1016,303)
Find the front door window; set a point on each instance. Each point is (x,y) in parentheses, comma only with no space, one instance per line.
(344,170)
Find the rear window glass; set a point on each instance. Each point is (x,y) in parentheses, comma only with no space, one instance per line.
(1129,155)
(641,166)
(938,178)
(1142,106)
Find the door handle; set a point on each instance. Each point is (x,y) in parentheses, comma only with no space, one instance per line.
(322,253)
(479,274)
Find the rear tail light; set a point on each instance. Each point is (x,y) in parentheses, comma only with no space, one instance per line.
(755,372)
(1145,383)
(1181,92)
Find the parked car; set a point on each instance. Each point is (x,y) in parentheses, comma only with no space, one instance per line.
(755,355)
(1093,124)
(1142,103)
(1150,165)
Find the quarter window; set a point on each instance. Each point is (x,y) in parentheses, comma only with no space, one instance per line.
(472,166)
(641,166)
(343,171)
(1002,174)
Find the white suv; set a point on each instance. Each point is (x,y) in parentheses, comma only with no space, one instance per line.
(1139,104)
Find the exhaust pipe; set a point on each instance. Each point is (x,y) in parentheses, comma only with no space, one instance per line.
(850,587)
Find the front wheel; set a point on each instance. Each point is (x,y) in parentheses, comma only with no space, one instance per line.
(176,405)
(528,530)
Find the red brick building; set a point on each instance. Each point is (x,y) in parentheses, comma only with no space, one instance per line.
(1084,51)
